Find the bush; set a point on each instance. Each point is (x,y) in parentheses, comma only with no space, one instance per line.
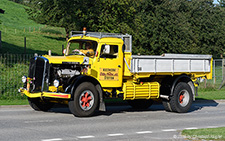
(10,79)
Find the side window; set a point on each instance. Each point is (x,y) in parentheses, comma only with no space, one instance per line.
(109,51)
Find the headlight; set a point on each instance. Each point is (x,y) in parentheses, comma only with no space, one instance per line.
(56,83)
(24,79)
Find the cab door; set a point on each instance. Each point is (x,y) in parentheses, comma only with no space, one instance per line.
(110,65)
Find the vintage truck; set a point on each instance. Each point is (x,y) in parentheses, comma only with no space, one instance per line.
(83,81)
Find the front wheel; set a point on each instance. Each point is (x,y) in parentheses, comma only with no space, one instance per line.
(85,100)
(182,98)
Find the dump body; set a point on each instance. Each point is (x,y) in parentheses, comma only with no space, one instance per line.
(173,64)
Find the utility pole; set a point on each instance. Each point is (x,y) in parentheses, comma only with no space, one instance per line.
(223,81)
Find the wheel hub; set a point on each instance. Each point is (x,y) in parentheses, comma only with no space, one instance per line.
(184,98)
(181,98)
(86,100)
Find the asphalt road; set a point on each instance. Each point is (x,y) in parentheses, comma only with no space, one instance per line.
(21,123)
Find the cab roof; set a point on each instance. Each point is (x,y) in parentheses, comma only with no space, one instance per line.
(103,37)
(97,36)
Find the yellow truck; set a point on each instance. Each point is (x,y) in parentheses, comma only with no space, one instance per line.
(83,80)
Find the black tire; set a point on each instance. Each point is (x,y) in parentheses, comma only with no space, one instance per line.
(85,100)
(182,98)
(40,105)
(140,103)
(166,105)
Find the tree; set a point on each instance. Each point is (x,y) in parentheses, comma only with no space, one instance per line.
(180,26)
(60,13)
(221,2)
(157,26)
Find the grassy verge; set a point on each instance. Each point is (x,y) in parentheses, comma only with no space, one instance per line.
(14,102)
(211,94)
(205,134)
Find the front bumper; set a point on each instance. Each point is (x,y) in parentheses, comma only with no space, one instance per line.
(45,94)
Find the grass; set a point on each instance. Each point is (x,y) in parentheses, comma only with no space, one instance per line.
(211,94)
(15,25)
(14,102)
(205,134)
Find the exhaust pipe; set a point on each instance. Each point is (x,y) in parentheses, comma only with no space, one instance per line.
(164,97)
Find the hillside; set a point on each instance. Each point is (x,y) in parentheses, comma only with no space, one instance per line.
(15,25)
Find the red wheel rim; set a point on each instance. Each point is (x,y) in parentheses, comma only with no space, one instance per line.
(86,100)
(183,98)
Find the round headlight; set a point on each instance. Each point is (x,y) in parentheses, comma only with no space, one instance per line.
(24,79)
(56,83)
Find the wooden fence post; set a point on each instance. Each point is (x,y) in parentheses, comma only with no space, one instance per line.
(25,45)
(0,39)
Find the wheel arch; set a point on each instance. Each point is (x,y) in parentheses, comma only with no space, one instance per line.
(183,78)
(80,79)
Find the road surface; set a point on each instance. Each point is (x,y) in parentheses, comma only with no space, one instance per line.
(21,123)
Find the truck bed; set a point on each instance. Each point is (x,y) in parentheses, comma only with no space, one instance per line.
(171,63)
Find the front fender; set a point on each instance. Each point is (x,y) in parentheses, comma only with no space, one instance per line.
(83,78)
(80,79)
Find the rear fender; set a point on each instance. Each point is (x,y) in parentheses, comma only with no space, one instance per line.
(186,79)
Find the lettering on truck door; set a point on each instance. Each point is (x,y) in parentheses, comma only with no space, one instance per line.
(110,65)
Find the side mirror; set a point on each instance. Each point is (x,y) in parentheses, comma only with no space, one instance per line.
(106,49)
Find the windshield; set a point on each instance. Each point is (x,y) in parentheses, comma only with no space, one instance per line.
(81,47)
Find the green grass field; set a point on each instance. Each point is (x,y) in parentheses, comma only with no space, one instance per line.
(14,102)
(205,134)
(211,95)
(15,25)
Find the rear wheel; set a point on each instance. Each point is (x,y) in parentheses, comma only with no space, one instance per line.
(182,98)
(140,103)
(40,105)
(85,100)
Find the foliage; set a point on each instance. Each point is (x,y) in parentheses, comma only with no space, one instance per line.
(60,13)
(181,26)
(10,78)
(157,26)
(221,3)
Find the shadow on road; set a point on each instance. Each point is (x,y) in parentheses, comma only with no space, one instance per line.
(199,104)
(112,108)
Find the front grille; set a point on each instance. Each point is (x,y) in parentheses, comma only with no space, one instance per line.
(38,72)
